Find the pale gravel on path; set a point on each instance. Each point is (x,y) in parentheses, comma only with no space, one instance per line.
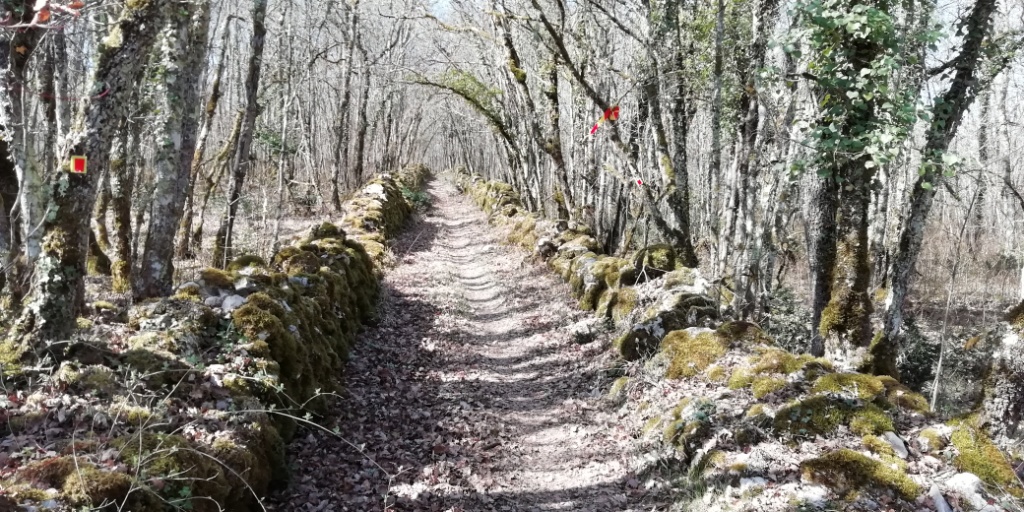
(469,394)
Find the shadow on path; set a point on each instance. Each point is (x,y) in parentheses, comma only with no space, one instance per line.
(467,395)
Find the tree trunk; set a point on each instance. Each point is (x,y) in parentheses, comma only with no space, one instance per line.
(820,221)
(342,145)
(122,181)
(845,323)
(220,165)
(716,128)
(186,243)
(57,290)
(240,163)
(947,114)
(98,263)
(362,126)
(183,57)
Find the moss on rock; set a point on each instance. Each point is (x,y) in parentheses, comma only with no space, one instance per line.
(82,484)
(654,261)
(823,414)
(866,387)
(245,261)
(216,278)
(976,453)
(847,472)
(690,352)
(625,302)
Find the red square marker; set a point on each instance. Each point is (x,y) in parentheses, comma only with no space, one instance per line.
(78,165)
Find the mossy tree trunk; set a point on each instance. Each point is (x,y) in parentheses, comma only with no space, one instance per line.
(122,181)
(240,163)
(57,289)
(823,201)
(186,246)
(1003,405)
(182,59)
(849,125)
(845,324)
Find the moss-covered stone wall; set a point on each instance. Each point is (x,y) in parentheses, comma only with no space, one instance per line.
(188,401)
(609,286)
(666,318)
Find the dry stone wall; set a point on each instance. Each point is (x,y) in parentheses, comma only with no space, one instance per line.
(187,402)
(752,426)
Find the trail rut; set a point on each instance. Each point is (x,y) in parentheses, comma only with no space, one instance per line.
(468,395)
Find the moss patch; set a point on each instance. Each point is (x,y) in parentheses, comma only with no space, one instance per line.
(822,415)
(977,454)
(691,353)
(763,386)
(847,471)
(936,441)
(245,261)
(865,387)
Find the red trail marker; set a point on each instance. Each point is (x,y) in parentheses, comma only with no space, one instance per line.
(79,165)
(612,114)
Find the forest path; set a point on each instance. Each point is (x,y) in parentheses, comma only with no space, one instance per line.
(469,394)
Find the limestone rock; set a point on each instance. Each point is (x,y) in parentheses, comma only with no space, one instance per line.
(969,487)
(941,505)
(232,302)
(585,331)
(897,444)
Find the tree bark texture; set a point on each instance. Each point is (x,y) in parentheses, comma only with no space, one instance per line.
(182,58)
(56,295)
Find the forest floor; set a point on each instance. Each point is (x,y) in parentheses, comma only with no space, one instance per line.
(469,394)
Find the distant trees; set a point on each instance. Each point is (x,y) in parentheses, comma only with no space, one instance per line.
(814,146)
(725,111)
(146,112)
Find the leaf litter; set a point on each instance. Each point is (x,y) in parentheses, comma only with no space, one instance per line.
(468,394)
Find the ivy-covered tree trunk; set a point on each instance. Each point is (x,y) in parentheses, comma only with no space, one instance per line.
(859,120)
(57,290)
(182,59)
(946,115)
(240,162)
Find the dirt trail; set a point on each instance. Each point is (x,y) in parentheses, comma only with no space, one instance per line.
(468,395)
